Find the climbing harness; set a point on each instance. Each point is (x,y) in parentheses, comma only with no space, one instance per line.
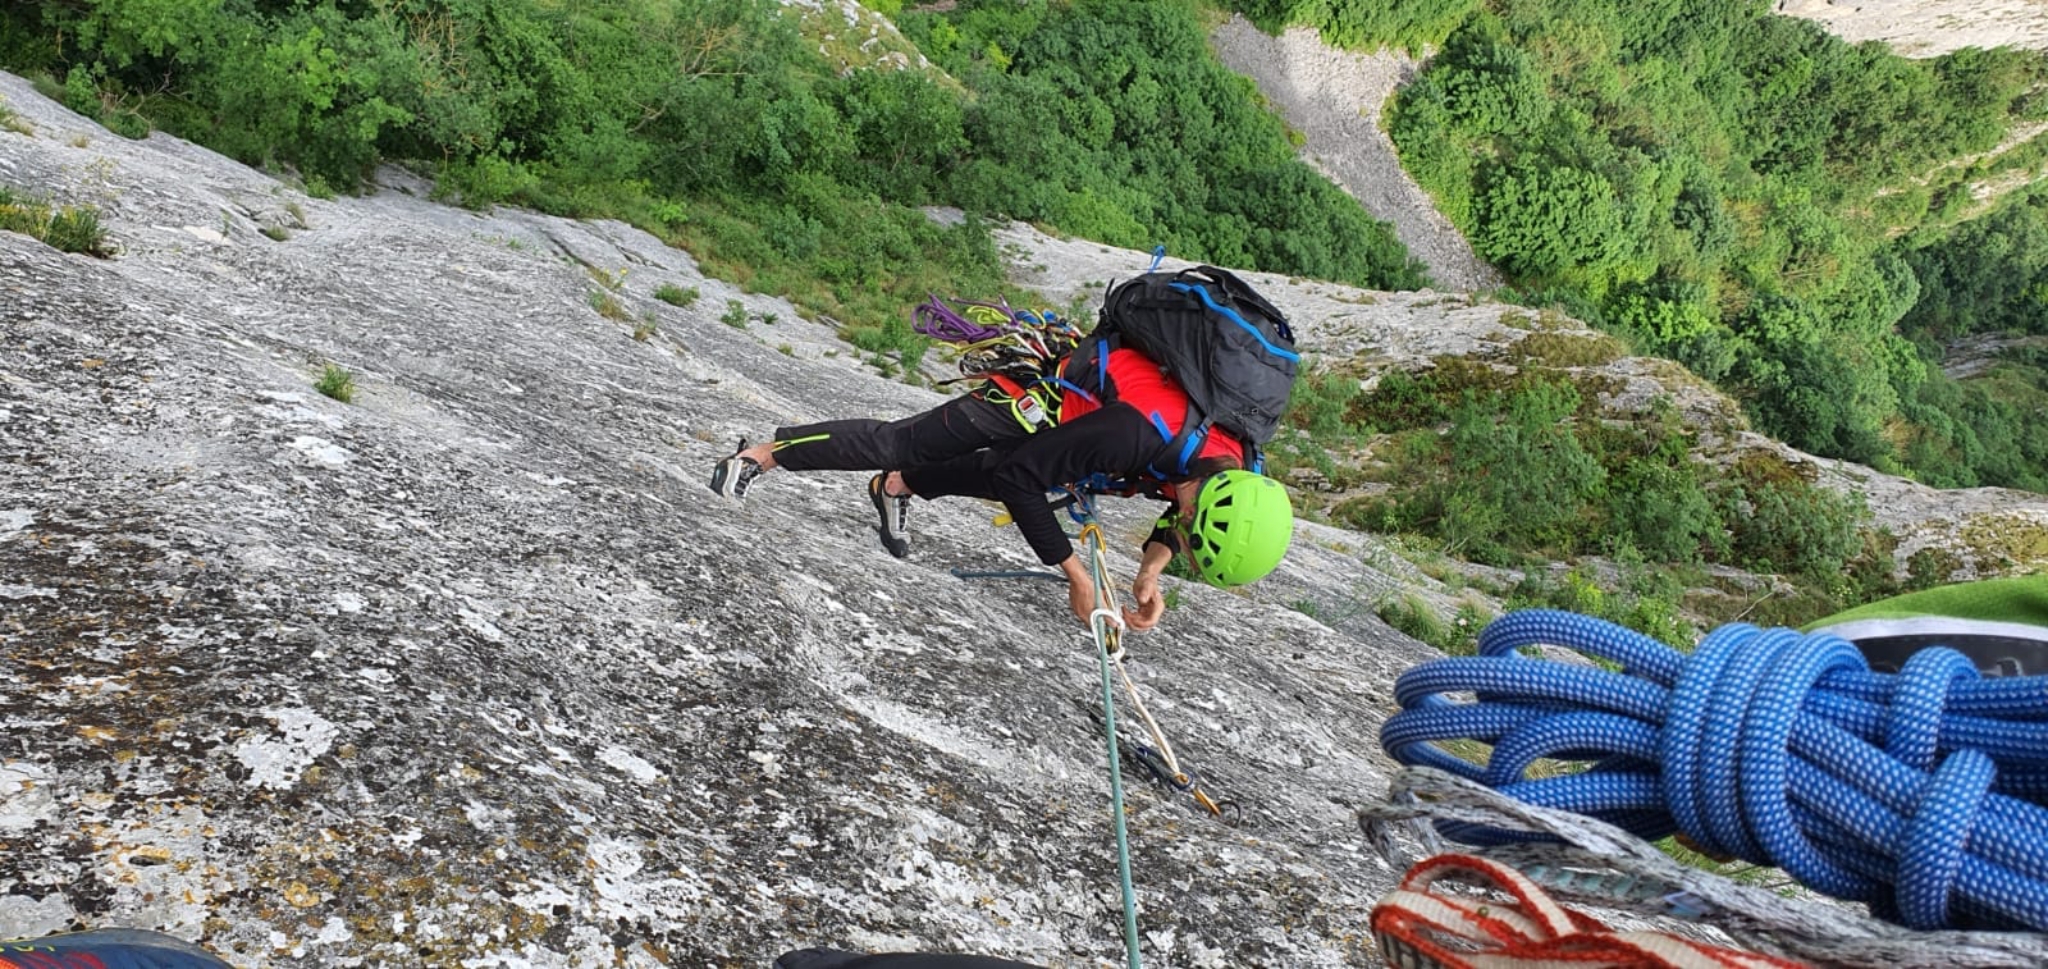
(1009,351)
(1920,793)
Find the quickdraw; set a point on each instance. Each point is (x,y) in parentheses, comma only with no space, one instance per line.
(1155,759)
(994,337)
(1143,758)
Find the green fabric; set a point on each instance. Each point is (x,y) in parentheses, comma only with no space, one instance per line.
(2022,599)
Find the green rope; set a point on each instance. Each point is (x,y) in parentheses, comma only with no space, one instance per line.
(1097,626)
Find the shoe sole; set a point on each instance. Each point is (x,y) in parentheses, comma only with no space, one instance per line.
(719,480)
(725,480)
(898,547)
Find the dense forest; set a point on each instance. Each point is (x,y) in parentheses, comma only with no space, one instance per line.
(1789,215)
(718,125)
(1741,192)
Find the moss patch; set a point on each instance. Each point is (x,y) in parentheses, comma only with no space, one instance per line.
(2005,543)
(1554,349)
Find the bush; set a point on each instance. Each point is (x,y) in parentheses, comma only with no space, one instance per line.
(1644,599)
(1720,184)
(1319,402)
(675,295)
(1663,510)
(1794,528)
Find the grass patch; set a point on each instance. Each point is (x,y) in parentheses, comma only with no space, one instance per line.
(608,306)
(1565,350)
(675,295)
(71,228)
(858,264)
(645,329)
(276,233)
(337,383)
(735,314)
(11,121)
(1413,616)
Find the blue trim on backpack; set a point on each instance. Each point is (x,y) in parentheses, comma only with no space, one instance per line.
(1231,315)
(1194,443)
(1159,424)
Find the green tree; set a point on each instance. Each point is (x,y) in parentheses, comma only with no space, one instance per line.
(1538,221)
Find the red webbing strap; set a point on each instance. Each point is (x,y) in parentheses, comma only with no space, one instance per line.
(1418,928)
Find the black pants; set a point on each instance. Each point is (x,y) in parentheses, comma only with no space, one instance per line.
(957,427)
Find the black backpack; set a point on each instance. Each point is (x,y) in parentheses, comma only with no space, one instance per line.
(1224,343)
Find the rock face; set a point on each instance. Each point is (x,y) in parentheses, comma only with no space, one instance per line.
(1928,28)
(474,671)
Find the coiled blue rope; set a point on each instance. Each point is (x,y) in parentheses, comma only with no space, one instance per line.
(1923,793)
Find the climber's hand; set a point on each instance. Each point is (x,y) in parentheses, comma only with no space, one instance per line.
(1150,604)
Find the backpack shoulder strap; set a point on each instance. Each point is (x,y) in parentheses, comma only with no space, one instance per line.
(1087,368)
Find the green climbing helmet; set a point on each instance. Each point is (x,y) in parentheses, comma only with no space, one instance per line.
(1241,528)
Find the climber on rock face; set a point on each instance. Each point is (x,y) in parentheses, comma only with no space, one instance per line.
(1232,524)
(1169,396)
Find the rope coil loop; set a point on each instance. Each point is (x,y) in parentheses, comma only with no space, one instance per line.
(1923,793)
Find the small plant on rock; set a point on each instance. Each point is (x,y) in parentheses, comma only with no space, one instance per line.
(14,122)
(675,295)
(72,228)
(337,383)
(607,305)
(735,315)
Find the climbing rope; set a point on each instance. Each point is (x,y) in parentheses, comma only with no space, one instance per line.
(1107,627)
(1920,793)
(1158,758)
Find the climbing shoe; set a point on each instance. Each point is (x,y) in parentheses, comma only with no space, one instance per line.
(895,514)
(732,475)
